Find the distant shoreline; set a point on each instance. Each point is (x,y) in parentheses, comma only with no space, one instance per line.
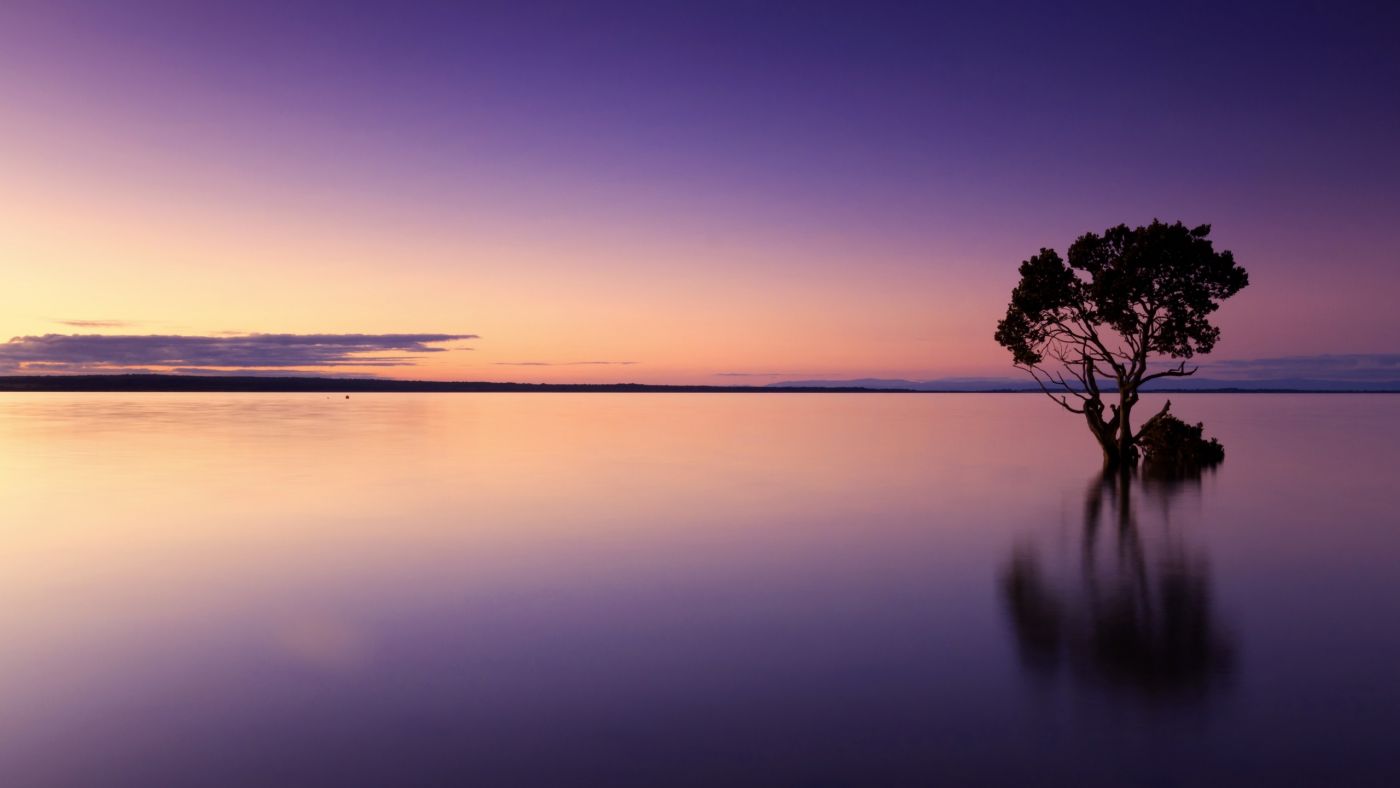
(232,384)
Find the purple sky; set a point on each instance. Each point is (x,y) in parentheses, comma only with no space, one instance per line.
(834,189)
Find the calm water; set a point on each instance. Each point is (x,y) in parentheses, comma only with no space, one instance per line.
(683,590)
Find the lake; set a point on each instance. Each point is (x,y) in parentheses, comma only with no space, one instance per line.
(691,590)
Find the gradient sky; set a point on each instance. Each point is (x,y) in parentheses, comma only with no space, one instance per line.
(779,190)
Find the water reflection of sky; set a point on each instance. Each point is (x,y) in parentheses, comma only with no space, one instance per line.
(673,589)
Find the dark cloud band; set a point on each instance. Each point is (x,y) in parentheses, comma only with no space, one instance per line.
(72,352)
(1359,367)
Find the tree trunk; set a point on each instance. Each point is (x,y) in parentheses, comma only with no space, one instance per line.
(1112,460)
(1108,441)
(1127,452)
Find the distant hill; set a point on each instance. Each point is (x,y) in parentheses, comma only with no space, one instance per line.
(938,384)
(1162,384)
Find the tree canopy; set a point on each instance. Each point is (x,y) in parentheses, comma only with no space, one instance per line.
(1121,301)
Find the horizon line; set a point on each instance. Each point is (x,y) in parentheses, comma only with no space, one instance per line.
(176,383)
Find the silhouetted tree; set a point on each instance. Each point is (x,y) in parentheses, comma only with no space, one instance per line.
(1099,320)
(1172,448)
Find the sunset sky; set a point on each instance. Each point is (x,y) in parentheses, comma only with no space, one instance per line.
(669,192)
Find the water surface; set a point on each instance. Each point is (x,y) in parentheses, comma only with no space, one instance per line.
(672,589)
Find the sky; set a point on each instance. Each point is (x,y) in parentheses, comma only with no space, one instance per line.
(701,192)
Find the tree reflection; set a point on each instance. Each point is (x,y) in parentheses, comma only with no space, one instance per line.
(1132,611)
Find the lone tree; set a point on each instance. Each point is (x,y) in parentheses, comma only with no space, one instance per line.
(1104,320)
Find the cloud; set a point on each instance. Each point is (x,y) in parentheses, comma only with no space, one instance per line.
(118,353)
(1347,367)
(562,363)
(97,323)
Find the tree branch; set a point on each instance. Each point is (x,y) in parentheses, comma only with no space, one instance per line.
(1179,371)
(1061,400)
(1164,409)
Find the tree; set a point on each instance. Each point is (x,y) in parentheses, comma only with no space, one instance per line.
(1104,320)
(1173,449)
